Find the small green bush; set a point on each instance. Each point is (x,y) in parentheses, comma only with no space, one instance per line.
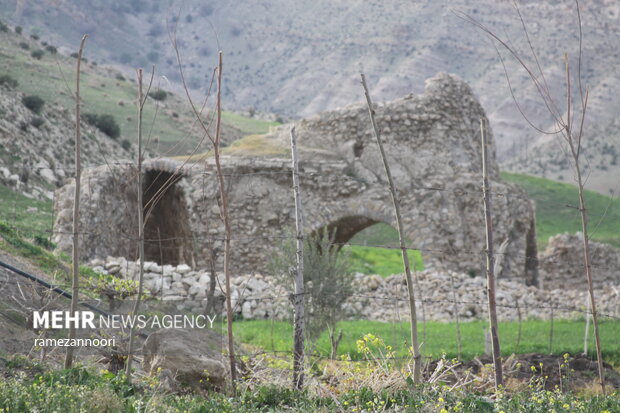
(37,54)
(37,121)
(159,94)
(126,144)
(90,118)
(8,80)
(34,36)
(18,29)
(3,27)
(107,124)
(33,102)
(51,49)
(44,242)
(24,45)
(120,77)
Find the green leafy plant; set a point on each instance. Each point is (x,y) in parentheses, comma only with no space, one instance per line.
(9,81)
(34,103)
(37,54)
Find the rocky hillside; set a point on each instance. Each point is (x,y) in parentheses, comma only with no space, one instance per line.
(298,58)
(37,146)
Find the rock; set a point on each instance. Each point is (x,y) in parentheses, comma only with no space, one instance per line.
(183,269)
(190,355)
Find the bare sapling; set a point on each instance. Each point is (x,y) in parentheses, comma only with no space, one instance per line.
(141,100)
(417,358)
(298,297)
(568,124)
(488,220)
(75,287)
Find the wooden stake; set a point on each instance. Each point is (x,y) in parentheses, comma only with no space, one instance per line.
(298,299)
(417,358)
(75,287)
(497,358)
(136,306)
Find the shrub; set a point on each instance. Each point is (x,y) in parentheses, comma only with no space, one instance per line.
(44,242)
(18,29)
(328,282)
(8,80)
(120,77)
(126,144)
(33,102)
(3,27)
(37,121)
(24,45)
(37,54)
(34,36)
(107,124)
(158,94)
(90,118)
(75,56)
(51,49)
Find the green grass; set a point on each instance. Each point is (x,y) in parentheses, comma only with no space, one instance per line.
(13,209)
(366,256)
(381,261)
(441,337)
(556,213)
(248,125)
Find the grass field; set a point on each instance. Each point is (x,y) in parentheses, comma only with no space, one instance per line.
(556,213)
(441,337)
(368,259)
(14,210)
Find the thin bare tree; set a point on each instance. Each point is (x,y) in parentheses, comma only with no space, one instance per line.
(141,101)
(417,358)
(298,297)
(75,287)
(568,125)
(490,258)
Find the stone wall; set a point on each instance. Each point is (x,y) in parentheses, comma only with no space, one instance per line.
(562,263)
(433,146)
(255,296)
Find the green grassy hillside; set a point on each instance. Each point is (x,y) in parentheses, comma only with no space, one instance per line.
(107,91)
(556,209)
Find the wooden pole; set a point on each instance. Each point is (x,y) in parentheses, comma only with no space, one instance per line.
(75,286)
(298,299)
(136,306)
(497,358)
(226,221)
(417,358)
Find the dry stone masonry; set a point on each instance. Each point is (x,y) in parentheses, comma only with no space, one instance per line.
(561,263)
(433,146)
(255,296)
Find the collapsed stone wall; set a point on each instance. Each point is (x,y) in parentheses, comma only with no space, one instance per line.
(432,143)
(256,296)
(562,263)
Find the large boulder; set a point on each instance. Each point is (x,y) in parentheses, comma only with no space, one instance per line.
(192,356)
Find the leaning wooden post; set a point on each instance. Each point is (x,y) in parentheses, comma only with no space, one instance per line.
(298,298)
(417,358)
(75,287)
(497,358)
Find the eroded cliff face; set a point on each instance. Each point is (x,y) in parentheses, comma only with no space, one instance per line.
(433,146)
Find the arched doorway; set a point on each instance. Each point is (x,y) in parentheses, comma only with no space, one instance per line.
(167,234)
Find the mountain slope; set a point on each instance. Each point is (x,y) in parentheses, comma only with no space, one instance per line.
(298,58)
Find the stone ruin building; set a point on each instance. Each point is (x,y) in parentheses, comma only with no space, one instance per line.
(432,142)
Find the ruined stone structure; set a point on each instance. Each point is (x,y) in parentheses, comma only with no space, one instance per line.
(433,145)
